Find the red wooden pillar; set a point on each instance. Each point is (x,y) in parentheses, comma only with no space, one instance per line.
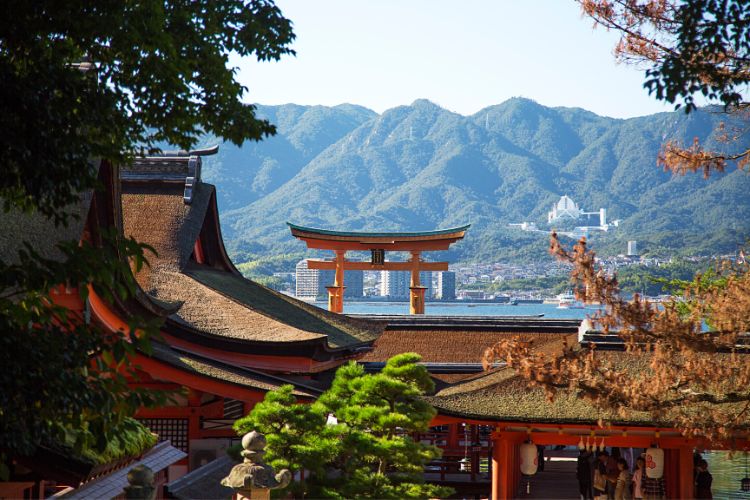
(686,484)
(452,436)
(502,468)
(516,468)
(194,419)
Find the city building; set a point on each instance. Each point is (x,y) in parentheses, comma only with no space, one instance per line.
(353,281)
(312,283)
(566,208)
(307,282)
(632,248)
(446,285)
(395,284)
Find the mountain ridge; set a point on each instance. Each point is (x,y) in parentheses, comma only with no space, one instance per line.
(419,167)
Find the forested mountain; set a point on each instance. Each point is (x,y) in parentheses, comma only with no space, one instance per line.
(422,167)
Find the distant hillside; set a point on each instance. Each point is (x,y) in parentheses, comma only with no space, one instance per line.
(423,167)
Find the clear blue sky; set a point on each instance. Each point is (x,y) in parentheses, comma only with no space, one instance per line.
(463,55)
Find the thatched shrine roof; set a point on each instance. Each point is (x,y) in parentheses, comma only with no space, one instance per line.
(243,377)
(216,300)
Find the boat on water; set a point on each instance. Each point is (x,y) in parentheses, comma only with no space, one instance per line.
(568,301)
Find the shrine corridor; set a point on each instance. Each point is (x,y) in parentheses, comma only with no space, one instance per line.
(558,480)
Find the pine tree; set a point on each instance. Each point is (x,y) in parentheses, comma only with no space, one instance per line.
(370,452)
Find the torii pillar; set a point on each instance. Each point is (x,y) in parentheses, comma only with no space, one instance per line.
(336,291)
(416,290)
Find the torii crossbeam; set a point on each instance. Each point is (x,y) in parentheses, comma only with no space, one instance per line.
(377,244)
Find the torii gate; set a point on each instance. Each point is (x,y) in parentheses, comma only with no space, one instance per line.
(377,243)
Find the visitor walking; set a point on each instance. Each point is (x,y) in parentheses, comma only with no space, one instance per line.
(613,472)
(601,485)
(640,465)
(584,474)
(622,487)
(703,481)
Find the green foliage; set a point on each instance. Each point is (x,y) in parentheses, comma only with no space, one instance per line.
(657,280)
(158,73)
(130,438)
(710,55)
(253,266)
(369,453)
(555,284)
(61,374)
(84,81)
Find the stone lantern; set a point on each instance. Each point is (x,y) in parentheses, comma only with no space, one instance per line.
(254,479)
(140,484)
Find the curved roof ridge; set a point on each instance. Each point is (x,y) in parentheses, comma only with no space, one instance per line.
(331,232)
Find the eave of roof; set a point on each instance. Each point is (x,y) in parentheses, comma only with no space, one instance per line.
(500,395)
(362,235)
(243,377)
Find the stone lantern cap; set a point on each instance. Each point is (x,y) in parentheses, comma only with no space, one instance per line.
(253,473)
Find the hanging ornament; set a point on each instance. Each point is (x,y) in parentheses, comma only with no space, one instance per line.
(588,444)
(601,445)
(465,463)
(529,459)
(654,463)
(581,446)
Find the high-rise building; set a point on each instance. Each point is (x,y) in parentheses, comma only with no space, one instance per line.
(446,285)
(632,248)
(354,281)
(395,284)
(311,283)
(308,281)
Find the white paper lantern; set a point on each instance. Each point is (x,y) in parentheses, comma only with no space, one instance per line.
(655,463)
(529,459)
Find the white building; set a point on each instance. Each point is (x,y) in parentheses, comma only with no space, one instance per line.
(308,281)
(446,285)
(632,248)
(566,208)
(311,283)
(395,284)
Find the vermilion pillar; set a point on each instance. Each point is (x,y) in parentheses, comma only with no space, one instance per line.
(336,291)
(502,465)
(686,484)
(416,291)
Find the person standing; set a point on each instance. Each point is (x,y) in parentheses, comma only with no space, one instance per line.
(601,485)
(703,481)
(653,489)
(622,486)
(540,457)
(613,472)
(584,475)
(640,465)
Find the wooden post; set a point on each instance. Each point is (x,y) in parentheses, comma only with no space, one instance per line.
(336,291)
(686,484)
(414,269)
(502,465)
(452,436)
(416,290)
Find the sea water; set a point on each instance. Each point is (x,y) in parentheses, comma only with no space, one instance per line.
(466,309)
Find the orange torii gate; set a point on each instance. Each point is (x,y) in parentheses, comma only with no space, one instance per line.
(377,244)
